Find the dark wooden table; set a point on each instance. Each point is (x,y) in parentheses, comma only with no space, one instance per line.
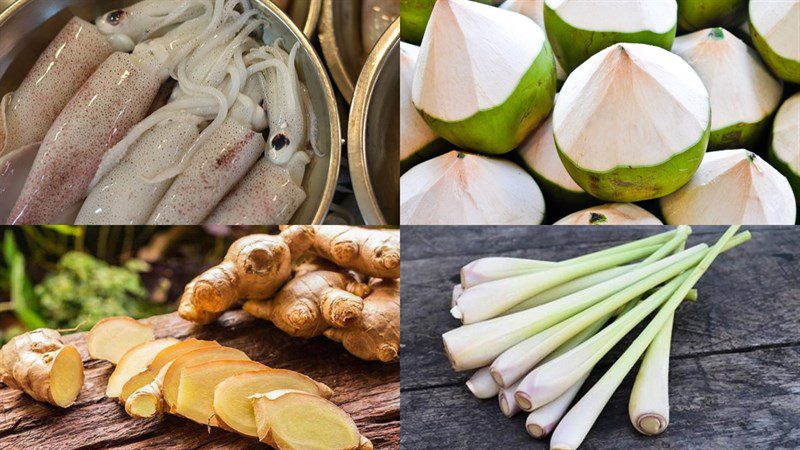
(735,368)
(369,391)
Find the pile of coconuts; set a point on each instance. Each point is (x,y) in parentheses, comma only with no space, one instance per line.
(600,113)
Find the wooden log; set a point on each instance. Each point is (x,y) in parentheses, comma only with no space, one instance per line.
(369,391)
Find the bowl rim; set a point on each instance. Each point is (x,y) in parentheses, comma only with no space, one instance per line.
(330,50)
(330,98)
(356,133)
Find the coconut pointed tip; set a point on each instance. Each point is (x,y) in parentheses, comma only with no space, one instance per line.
(651,424)
(717,34)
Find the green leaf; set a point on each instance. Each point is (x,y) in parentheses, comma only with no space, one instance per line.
(9,247)
(67,230)
(20,294)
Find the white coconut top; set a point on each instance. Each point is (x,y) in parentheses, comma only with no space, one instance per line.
(778,21)
(473,57)
(786,133)
(464,189)
(534,10)
(631,105)
(741,88)
(622,16)
(611,214)
(540,153)
(414,132)
(732,187)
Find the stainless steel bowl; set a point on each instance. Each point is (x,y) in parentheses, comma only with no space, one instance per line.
(373,137)
(305,14)
(28,26)
(340,39)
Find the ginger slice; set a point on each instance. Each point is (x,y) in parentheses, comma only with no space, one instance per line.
(133,362)
(197,383)
(171,381)
(288,419)
(39,364)
(233,407)
(112,337)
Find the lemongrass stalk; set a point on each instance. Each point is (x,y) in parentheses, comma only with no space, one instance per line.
(548,381)
(477,345)
(575,425)
(598,277)
(648,407)
(508,405)
(457,291)
(490,299)
(495,268)
(482,385)
(542,420)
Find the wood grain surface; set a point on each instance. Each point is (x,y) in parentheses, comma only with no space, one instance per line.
(735,368)
(369,391)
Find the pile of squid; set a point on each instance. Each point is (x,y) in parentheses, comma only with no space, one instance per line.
(95,134)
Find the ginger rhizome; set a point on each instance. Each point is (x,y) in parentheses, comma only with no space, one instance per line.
(313,302)
(40,364)
(376,333)
(288,419)
(374,253)
(133,362)
(105,339)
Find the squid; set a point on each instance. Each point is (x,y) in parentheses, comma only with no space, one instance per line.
(113,99)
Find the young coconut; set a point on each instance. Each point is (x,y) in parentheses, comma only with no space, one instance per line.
(505,89)
(744,94)
(414,16)
(695,15)
(784,152)
(773,26)
(417,141)
(540,156)
(578,29)
(732,187)
(632,84)
(534,10)
(463,189)
(611,214)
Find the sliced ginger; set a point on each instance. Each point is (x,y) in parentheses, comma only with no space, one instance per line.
(197,383)
(233,407)
(172,376)
(288,419)
(39,364)
(112,337)
(135,361)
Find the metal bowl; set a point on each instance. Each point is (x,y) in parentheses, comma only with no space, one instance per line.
(373,137)
(28,26)
(305,13)
(340,39)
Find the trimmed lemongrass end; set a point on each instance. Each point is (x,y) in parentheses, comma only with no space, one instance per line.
(535,431)
(457,291)
(456,313)
(508,405)
(524,401)
(651,424)
(482,385)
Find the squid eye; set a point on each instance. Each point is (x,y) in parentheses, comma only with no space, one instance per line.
(115,17)
(279,141)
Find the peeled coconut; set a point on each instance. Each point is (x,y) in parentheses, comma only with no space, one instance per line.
(414,16)
(417,141)
(485,76)
(732,187)
(611,214)
(540,156)
(534,10)
(744,94)
(774,25)
(632,123)
(785,149)
(695,15)
(578,29)
(464,189)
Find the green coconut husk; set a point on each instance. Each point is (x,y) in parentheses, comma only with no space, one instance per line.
(696,15)
(785,170)
(784,68)
(740,135)
(414,16)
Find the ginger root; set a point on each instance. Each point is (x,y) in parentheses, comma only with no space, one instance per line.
(374,253)
(254,268)
(312,302)
(289,419)
(112,337)
(40,364)
(376,334)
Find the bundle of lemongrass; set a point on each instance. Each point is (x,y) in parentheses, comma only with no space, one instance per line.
(535,329)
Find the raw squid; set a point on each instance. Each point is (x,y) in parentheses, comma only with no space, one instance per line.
(376,16)
(14,168)
(121,196)
(268,195)
(27,113)
(109,103)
